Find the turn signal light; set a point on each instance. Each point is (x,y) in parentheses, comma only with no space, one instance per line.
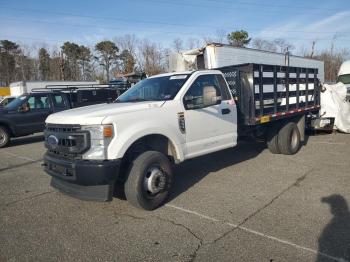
(108,131)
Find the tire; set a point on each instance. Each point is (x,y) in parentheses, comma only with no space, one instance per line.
(272,139)
(149,180)
(289,139)
(4,136)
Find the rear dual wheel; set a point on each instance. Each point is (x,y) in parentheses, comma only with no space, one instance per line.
(284,140)
(272,139)
(289,139)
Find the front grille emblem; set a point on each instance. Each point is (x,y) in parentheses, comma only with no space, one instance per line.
(52,141)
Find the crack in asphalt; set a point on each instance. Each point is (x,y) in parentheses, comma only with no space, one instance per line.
(235,227)
(295,184)
(29,197)
(189,230)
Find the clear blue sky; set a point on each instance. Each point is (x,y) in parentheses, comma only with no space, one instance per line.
(87,22)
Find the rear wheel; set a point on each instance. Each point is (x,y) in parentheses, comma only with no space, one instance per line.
(149,180)
(289,139)
(272,139)
(4,136)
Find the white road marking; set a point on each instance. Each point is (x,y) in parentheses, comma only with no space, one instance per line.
(21,157)
(286,242)
(193,213)
(327,143)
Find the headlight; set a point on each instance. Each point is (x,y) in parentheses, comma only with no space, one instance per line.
(100,136)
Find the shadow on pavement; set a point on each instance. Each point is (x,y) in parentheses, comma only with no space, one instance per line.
(192,171)
(335,238)
(20,165)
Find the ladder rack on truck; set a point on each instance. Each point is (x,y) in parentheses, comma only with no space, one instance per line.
(265,93)
(83,95)
(73,88)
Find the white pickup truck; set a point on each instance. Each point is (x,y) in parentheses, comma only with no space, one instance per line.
(132,143)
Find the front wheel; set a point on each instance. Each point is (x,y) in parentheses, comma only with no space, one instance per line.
(4,137)
(149,180)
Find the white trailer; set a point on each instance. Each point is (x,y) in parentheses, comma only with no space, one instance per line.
(215,55)
(22,87)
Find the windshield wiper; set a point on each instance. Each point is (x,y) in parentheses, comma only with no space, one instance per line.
(137,100)
(131,100)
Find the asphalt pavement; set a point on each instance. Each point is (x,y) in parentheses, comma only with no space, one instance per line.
(240,204)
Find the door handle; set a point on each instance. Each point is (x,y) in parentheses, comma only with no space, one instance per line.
(225,111)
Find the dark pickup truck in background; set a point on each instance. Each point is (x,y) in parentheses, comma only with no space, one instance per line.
(26,114)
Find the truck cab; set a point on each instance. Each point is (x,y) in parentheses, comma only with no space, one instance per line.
(170,118)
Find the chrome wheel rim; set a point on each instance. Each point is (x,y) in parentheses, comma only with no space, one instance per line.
(155,181)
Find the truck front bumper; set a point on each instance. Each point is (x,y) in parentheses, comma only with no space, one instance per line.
(83,179)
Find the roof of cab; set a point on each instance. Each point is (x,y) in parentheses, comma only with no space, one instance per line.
(187,73)
(172,74)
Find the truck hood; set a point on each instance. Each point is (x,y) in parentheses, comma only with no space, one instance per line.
(94,115)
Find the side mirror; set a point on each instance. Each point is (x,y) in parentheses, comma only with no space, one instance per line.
(209,96)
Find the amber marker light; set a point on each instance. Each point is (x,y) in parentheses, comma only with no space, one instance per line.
(108,131)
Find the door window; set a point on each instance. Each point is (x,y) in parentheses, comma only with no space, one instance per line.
(38,102)
(195,92)
(225,94)
(58,101)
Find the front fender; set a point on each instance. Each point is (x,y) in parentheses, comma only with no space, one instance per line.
(124,139)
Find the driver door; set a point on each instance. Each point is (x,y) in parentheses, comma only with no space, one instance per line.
(33,120)
(210,128)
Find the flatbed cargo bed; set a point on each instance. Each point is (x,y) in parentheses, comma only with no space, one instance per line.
(265,93)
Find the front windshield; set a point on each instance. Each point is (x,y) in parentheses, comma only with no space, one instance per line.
(6,101)
(154,89)
(16,103)
(345,79)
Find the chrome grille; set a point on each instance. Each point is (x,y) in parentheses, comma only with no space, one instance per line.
(69,141)
(62,128)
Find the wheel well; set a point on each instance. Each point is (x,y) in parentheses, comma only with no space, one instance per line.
(8,128)
(299,120)
(154,142)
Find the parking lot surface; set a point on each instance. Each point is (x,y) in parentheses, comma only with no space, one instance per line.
(241,204)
